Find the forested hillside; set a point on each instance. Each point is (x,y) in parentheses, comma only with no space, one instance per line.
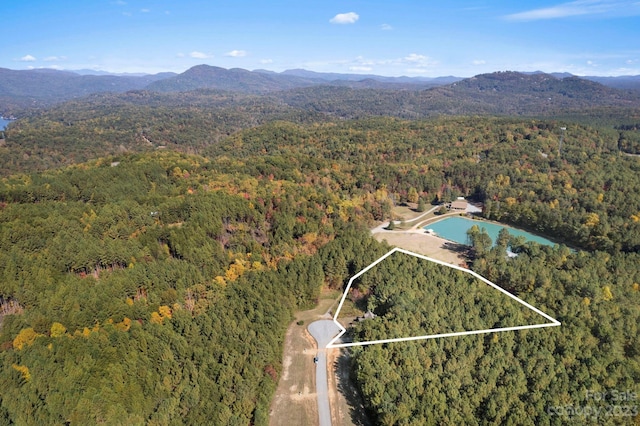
(525,377)
(207,77)
(35,89)
(411,297)
(156,290)
(156,287)
(22,91)
(584,194)
(142,120)
(136,121)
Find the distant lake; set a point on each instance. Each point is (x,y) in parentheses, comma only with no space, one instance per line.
(4,122)
(455,229)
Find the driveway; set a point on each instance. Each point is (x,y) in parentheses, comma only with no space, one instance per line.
(323,331)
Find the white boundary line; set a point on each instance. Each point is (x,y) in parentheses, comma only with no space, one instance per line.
(553,322)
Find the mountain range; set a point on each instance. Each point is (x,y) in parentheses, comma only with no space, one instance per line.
(25,90)
(196,109)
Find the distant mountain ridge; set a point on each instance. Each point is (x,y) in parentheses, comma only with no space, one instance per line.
(235,79)
(28,89)
(38,88)
(123,74)
(359,77)
(514,93)
(262,81)
(501,93)
(630,82)
(192,120)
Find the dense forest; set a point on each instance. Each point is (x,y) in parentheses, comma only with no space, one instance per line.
(154,290)
(507,378)
(151,279)
(143,120)
(412,297)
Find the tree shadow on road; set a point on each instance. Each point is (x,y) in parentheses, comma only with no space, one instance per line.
(348,389)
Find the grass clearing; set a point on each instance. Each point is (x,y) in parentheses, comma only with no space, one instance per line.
(405,212)
(427,245)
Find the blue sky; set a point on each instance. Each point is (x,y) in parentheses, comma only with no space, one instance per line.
(391,37)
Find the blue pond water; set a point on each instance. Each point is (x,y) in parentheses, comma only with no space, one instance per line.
(4,122)
(455,229)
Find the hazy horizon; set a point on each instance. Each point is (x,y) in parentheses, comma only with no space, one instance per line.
(87,71)
(410,38)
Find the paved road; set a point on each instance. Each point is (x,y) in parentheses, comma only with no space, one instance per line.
(323,331)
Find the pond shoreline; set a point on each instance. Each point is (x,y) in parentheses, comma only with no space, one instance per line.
(479,220)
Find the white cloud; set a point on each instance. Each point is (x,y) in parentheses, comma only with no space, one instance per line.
(413,63)
(361,60)
(266,61)
(359,68)
(418,64)
(414,57)
(145,10)
(54,58)
(198,55)
(345,18)
(48,67)
(27,58)
(236,53)
(479,62)
(607,8)
(386,27)
(414,60)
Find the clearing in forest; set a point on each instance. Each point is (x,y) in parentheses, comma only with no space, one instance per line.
(407,296)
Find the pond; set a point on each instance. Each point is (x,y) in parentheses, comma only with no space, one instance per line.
(455,229)
(4,122)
